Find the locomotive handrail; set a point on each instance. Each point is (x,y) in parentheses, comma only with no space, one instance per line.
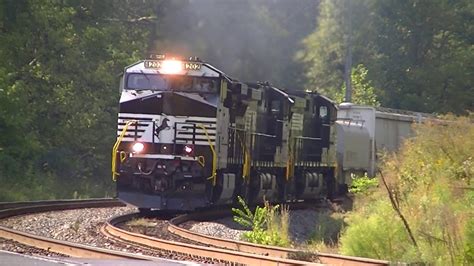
(115,148)
(262,135)
(300,142)
(247,160)
(307,138)
(214,155)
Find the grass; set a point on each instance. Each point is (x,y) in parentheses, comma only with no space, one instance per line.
(269,224)
(76,225)
(140,222)
(422,212)
(327,231)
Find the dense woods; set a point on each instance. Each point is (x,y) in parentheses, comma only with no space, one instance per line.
(419,54)
(58,92)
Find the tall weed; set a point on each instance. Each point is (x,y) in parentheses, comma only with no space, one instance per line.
(429,181)
(268,227)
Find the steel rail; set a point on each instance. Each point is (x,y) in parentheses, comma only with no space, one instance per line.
(111,230)
(43,206)
(67,248)
(326,258)
(98,201)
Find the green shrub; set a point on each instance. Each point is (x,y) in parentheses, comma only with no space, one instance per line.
(469,244)
(278,226)
(378,234)
(266,226)
(430,184)
(363,184)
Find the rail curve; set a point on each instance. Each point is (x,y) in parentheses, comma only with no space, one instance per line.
(237,252)
(67,248)
(325,258)
(221,254)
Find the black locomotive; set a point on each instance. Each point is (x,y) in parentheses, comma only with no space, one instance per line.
(190,136)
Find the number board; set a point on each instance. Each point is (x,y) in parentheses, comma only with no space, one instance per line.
(152,64)
(186,65)
(192,66)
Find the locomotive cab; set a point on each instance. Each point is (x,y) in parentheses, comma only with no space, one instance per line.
(165,156)
(263,132)
(312,164)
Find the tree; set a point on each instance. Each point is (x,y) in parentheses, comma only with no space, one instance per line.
(59,78)
(425,54)
(325,49)
(418,52)
(363,91)
(249,40)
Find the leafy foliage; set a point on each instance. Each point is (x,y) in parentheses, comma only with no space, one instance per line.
(430,181)
(325,49)
(264,223)
(362,90)
(251,40)
(363,184)
(418,54)
(60,61)
(376,232)
(245,217)
(469,245)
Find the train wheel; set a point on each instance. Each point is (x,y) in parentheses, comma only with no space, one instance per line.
(253,188)
(282,187)
(213,192)
(330,187)
(244,191)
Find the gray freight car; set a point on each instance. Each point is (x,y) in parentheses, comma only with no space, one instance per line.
(364,132)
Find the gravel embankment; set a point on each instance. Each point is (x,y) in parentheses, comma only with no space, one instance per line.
(79,226)
(83,226)
(155,227)
(13,246)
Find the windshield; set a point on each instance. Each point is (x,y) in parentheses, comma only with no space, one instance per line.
(142,81)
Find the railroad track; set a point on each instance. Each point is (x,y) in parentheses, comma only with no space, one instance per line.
(84,251)
(58,246)
(231,256)
(243,246)
(229,250)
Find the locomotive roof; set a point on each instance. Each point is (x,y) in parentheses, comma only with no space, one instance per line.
(205,70)
(258,85)
(303,94)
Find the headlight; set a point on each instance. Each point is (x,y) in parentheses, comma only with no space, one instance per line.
(138,147)
(171,67)
(188,150)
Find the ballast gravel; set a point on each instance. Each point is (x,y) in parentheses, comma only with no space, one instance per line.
(13,246)
(83,226)
(302,225)
(79,225)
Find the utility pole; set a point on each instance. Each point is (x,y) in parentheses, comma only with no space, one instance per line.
(348,61)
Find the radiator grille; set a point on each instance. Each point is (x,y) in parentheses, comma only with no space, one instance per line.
(135,130)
